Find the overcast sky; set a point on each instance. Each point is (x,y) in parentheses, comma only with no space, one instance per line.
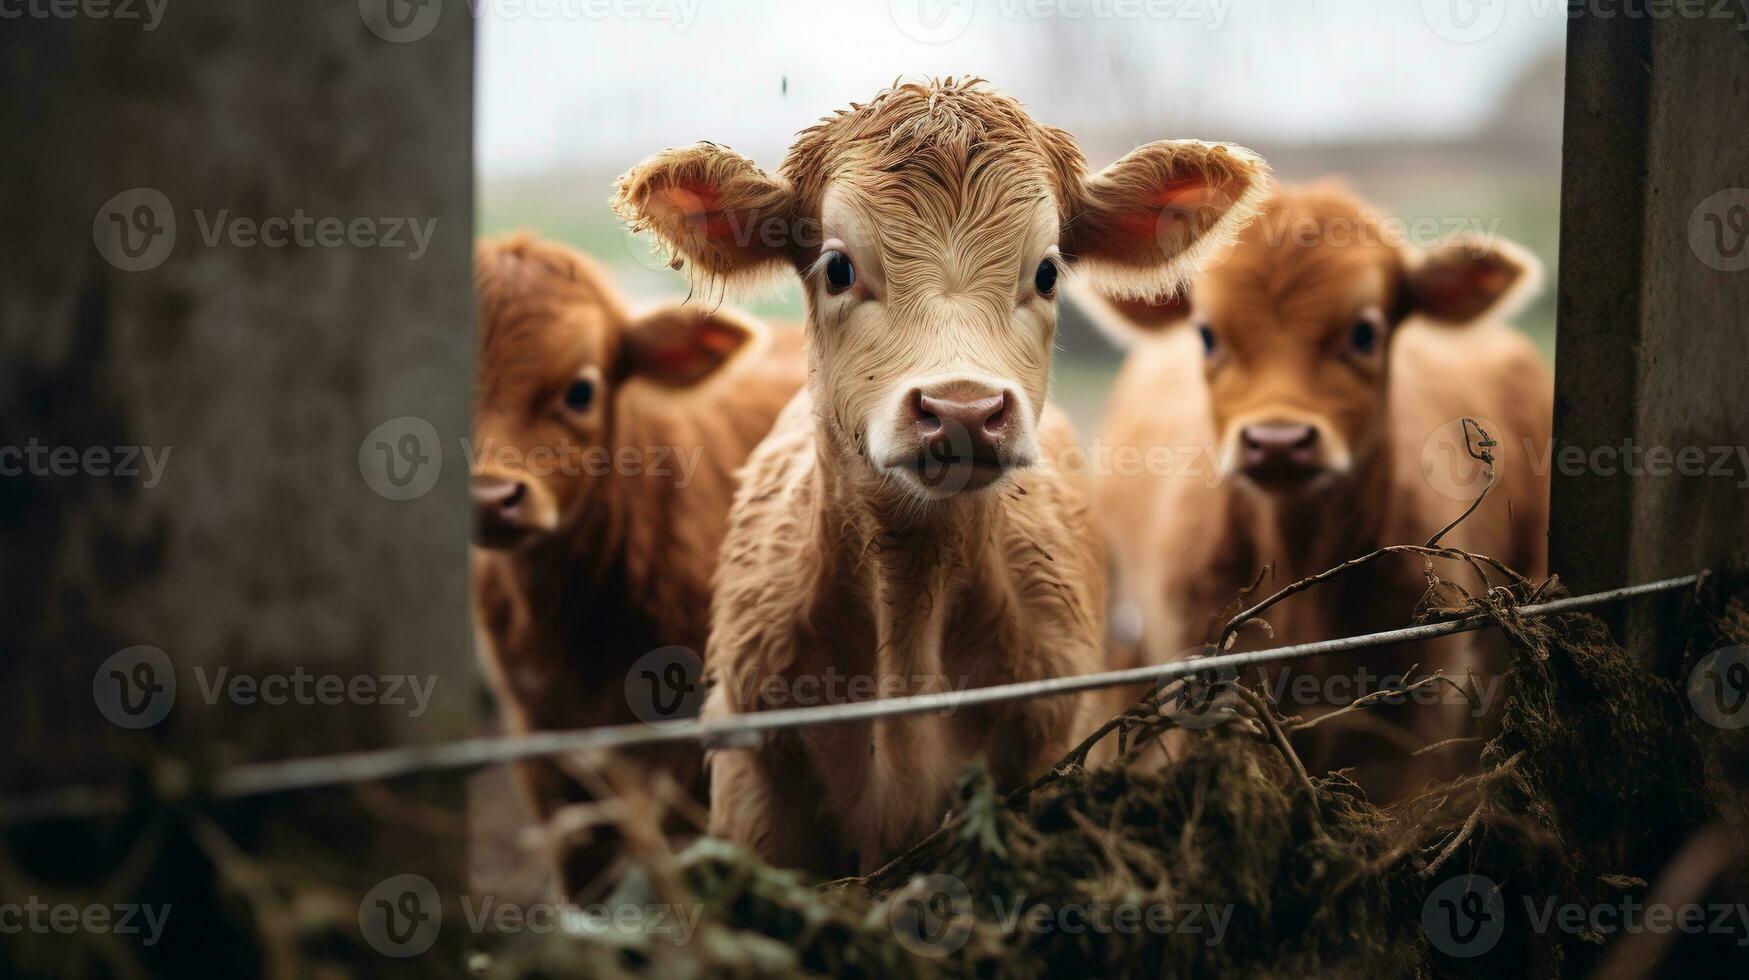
(573,83)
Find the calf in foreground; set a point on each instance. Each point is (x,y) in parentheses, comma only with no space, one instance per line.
(1325,370)
(906,527)
(604,451)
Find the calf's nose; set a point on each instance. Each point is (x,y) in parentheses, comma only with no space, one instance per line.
(1277,446)
(987,417)
(501,508)
(985,420)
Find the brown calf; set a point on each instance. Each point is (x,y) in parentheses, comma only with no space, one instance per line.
(1306,391)
(604,451)
(905,527)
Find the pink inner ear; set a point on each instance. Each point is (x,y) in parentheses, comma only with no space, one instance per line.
(1186,193)
(716,337)
(1477,279)
(692,349)
(697,205)
(672,358)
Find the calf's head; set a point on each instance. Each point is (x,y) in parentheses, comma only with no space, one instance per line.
(1297,319)
(557,352)
(931,228)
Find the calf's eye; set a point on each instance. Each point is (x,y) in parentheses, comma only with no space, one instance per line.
(1045,279)
(840,274)
(1363,336)
(1208,339)
(579,396)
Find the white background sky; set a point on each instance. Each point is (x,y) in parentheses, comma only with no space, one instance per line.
(572,83)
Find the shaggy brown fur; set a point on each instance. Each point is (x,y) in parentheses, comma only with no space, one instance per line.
(842,563)
(1281,307)
(619,559)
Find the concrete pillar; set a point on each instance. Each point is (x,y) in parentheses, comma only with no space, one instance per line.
(1652,343)
(235,360)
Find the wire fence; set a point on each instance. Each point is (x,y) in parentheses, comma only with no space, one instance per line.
(290,775)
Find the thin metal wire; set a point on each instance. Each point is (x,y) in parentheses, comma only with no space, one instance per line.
(256,779)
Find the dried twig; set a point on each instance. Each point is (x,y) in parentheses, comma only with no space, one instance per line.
(1277,736)
(1486,457)
(1371,698)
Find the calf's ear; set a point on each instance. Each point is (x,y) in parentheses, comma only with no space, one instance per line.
(714,212)
(1142,225)
(681,346)
(1468,279)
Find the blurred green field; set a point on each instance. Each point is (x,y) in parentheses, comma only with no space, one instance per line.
(1521,207)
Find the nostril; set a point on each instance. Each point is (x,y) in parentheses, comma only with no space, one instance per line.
(1279,438)
(923,414)
(498,494)
(996,423)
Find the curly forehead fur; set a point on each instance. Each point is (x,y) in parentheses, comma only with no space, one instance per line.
(945,132)
(523,285)
(1308,241)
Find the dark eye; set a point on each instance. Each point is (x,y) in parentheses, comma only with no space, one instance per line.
(1208,339)
(1364,336)
(1045,279)
(580,394)
(840,274)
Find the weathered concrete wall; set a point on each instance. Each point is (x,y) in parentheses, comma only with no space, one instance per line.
(150,305)
(1653,338)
